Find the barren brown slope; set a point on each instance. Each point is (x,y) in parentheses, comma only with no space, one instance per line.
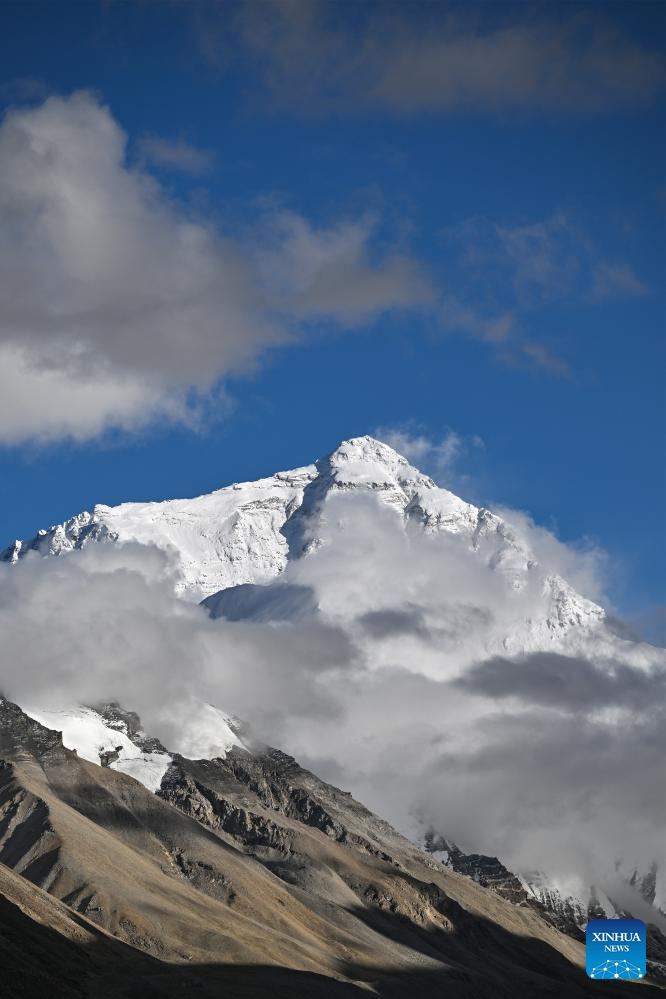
(119,863)
(238,892)
(46,949)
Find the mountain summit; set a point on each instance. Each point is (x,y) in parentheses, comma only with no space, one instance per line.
(235,534)
(247,533)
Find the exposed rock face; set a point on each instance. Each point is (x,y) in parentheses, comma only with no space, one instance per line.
(242,792)
(487,871)
(257,798)
(20,732)
(109,756)
(218,812)
(129,723)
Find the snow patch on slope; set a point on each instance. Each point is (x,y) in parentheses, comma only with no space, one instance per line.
(84,731)
(228,537)
(209,733)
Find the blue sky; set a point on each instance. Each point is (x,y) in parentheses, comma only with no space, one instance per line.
(315,220)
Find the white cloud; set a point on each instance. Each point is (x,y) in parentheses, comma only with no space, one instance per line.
(49,403)
(120,307)
(416,447)
(582,562)
(120,300)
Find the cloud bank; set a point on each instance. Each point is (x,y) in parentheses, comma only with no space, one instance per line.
(384,681)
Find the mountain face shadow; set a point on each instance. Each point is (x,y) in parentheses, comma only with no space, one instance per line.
(38,961)
(295,529)
(275,601)
(480,960)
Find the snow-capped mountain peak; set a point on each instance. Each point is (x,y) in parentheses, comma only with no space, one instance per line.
(365,461)
(247,533)
(239,533)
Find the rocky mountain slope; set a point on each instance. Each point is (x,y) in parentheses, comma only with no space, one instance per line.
(258,796)
(244,873)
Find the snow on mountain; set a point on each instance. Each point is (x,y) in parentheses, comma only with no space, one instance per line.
(109,736)
(278,602)
(94,739)
(248,532)
(227,537)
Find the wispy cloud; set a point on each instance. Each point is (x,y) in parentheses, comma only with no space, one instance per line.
(437,456)
(175,154)
(507,273)
(319,56)
(540,261)
(314,272)
(616,280)
(545,359)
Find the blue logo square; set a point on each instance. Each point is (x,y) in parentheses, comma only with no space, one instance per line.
(615,948)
